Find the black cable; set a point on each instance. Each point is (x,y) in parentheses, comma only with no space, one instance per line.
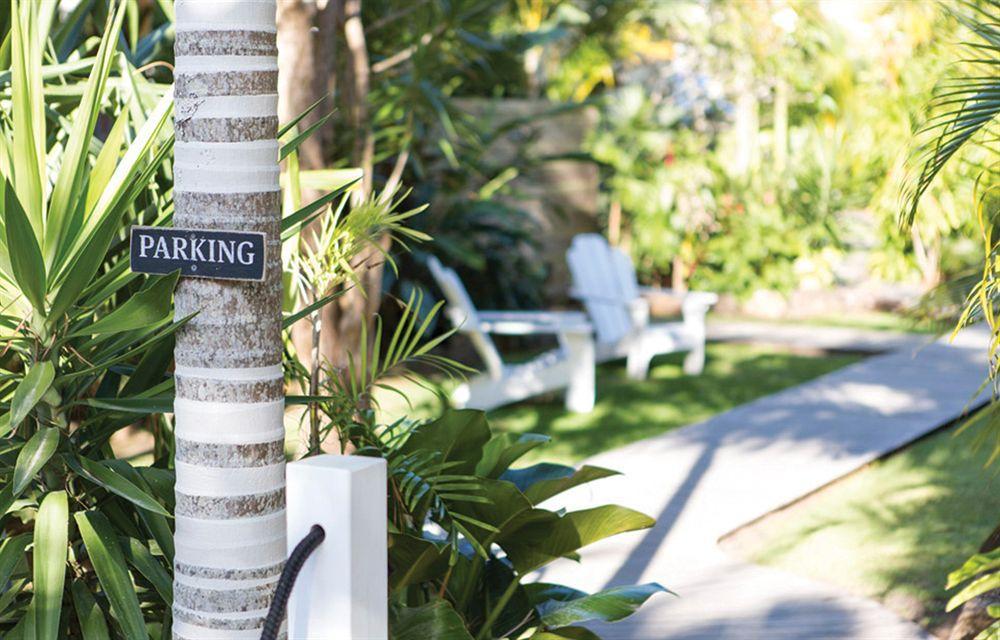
(296,559)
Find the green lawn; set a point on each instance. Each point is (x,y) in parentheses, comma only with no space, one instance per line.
(892,531)
(875,320)
(627,411)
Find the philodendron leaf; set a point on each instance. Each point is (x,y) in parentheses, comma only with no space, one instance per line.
(147,307)
(101,541)
(504,449)
(51,536)
(33,457)
(565,633)
(31,389)
(546,536)
(605,606)
(435,619)
(544,480)
(26,260)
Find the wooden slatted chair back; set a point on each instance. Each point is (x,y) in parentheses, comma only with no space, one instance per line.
(462,313)
(602,285)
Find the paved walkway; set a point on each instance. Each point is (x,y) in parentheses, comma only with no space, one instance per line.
(703,481)
(811,337)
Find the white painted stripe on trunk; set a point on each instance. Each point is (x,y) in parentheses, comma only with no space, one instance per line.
(235,532)
(198,480)
(224,64)
(225,15)
(229,422)
(244,556)
(247,374)
(187,630)
(229,106)
(222,583)
(200,179)
(241,154)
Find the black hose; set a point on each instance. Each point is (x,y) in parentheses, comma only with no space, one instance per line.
(298,557)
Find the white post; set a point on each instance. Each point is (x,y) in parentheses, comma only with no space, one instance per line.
(342,590)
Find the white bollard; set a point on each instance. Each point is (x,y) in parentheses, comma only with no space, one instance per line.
(342,591)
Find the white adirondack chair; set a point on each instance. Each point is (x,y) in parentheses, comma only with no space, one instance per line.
(604,281)
(569,366)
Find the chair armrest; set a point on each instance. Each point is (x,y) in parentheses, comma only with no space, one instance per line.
(521,323)
(703,299)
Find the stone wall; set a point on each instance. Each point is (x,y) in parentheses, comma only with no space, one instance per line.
(562,195)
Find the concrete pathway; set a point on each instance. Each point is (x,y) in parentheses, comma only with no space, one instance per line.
(813,337)
(703,481)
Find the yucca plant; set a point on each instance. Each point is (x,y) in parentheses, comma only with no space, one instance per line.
(85,540)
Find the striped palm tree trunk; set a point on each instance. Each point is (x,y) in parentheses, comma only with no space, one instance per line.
(230,515)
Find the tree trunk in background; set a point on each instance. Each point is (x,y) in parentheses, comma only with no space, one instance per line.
(230,513)
(306,48)
(353,310)
(307,36)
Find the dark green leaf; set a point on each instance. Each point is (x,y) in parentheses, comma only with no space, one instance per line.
(49,560)
(88,614)
(539,537)
(26,260)
(30,390)
(11,554)
(105,555)
(33,457)
(609,605)
(139,556)
(100,474)
(435,620)
(147,307)
(504,449)
(459,436)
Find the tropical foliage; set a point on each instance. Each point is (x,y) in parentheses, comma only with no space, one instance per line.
(964,125)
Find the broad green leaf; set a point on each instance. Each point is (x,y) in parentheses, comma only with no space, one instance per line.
(542,481)
(566,633)
(30,391)
(114,482)
(504,449)
(11,554)
(147,307)
(49,559)
(157,483)
(539,537)
(101,541)
(415,560)
(138,556)
(33,456)
(88,614)
(458,435)
(609,605)
(437,619)
(26,261)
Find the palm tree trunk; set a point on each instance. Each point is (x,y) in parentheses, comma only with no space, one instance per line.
(230,513)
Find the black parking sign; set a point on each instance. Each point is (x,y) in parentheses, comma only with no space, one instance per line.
(199,253)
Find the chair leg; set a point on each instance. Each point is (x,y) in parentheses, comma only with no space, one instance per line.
(637,364)
(694,362)
(580,390)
